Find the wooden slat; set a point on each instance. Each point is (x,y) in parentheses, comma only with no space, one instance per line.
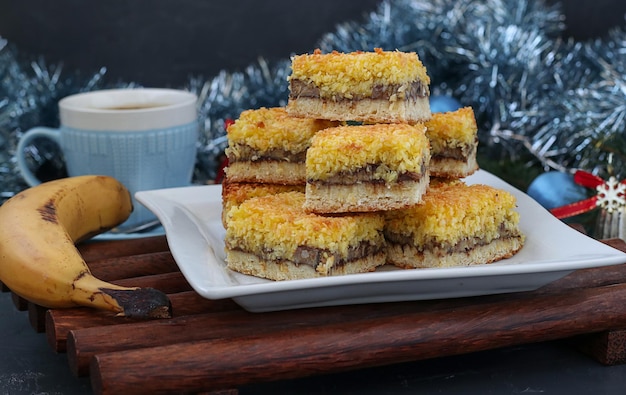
(20,303)
(97,250)
(166,282)
(37,317)
(607,347)
(133,266)
(296,352)
(82,344)
(59,322)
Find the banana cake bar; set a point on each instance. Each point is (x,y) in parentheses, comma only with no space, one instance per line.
(376,87)
(235,193)
(268,145)
(360,168)
(453,143)
(456,225)
(274,238)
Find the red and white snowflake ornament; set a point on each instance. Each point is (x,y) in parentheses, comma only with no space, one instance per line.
(611,195)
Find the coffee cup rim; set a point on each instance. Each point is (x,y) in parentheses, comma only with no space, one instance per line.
(100,110)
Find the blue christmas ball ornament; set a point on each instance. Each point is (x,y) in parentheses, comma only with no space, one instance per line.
(443,103)
(555,189)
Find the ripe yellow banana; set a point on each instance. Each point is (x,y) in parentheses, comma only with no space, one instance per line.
(38,258)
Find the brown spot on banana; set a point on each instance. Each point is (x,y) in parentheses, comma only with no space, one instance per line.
(79,276)
(48,212)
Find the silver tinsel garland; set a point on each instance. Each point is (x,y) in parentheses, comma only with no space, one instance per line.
(539,99)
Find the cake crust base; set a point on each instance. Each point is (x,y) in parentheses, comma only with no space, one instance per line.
(270,172)
(364,197)
(409,257)
(251,264)
(363,110)
(452,168)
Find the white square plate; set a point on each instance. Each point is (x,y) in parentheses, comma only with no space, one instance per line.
(191,217)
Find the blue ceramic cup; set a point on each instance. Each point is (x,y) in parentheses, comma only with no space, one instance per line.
(146,138)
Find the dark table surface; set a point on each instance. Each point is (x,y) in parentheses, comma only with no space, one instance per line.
(29,366)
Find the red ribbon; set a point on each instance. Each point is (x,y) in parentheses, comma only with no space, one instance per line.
(587,180)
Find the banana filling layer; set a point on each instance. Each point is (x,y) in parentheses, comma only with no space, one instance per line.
(312,256)
(392,92)
(246,153)
(459,153)
(363,175)
(446,248)
(374,174)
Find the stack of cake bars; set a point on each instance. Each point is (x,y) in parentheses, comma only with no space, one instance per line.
(355,173)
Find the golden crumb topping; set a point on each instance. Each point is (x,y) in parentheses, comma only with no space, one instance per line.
(278,225)
(266,129)
(394,148)
(452,212)
(235,193)
(358,72)
(452,129)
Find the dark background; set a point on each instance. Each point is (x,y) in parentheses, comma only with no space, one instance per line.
(164,42)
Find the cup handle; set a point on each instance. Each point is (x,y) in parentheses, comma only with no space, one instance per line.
(25,141)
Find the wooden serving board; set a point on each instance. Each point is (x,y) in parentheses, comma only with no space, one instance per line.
(215,346)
